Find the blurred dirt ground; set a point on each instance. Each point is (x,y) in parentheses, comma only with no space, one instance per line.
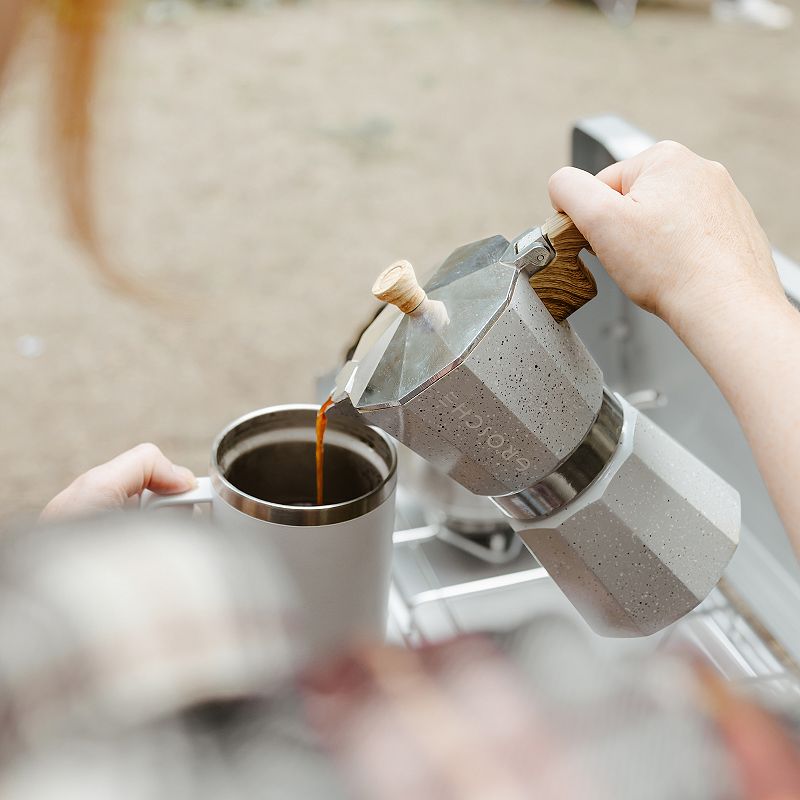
(268,164)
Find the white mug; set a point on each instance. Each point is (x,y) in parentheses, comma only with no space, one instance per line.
(338,556)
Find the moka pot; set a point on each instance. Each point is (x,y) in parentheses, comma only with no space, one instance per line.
(480,373)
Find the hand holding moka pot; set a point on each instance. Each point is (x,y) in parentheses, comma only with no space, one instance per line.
(479,373)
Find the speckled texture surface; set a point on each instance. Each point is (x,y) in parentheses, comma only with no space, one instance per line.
(518,405)
(652,546)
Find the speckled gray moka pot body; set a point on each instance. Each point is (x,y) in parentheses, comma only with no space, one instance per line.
(510,404)
(499,397)
(519,403)
(647,541)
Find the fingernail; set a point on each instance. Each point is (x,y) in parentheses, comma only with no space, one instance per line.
(186,475)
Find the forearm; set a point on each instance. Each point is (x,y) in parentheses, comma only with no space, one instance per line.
(751,348)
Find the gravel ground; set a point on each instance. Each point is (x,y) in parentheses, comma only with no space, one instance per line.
(266,165)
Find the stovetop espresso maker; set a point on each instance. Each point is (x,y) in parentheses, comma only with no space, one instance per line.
(480,373)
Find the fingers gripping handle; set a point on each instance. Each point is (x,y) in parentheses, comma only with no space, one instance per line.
(202,493)
(565,284)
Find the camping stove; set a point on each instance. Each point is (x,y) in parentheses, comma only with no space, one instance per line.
(466,521)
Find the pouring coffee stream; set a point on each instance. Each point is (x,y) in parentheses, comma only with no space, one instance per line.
(321,427)
(397,285)
(479,372)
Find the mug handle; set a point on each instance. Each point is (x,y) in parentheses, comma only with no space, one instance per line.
(202,493)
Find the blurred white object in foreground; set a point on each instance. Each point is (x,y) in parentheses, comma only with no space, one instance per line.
(126,619)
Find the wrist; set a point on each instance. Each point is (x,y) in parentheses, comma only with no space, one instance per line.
(724,310)
(736,321)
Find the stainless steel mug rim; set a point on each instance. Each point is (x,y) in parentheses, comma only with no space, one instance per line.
(306,516)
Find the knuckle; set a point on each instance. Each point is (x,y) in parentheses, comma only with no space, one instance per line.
(672,149)
(557,177)
(718,169)
(560,172)
(147,450)
(89,481)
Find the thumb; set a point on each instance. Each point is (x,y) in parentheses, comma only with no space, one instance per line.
(145,467)
(586,199)
(111,484)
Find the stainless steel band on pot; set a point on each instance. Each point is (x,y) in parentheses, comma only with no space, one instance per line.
(576,473)
(284,428)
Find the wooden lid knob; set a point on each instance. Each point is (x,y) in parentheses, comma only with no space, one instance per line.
(398,285)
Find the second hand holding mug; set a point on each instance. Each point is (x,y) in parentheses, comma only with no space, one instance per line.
(338,556)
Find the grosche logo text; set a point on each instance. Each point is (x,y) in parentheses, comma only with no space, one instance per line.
(495,441)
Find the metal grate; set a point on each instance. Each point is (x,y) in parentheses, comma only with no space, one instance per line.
(439,592)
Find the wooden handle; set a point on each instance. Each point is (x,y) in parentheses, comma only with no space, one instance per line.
(398,285)
(565,284)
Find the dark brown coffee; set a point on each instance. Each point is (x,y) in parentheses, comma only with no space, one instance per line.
(284,473)
(321,427)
